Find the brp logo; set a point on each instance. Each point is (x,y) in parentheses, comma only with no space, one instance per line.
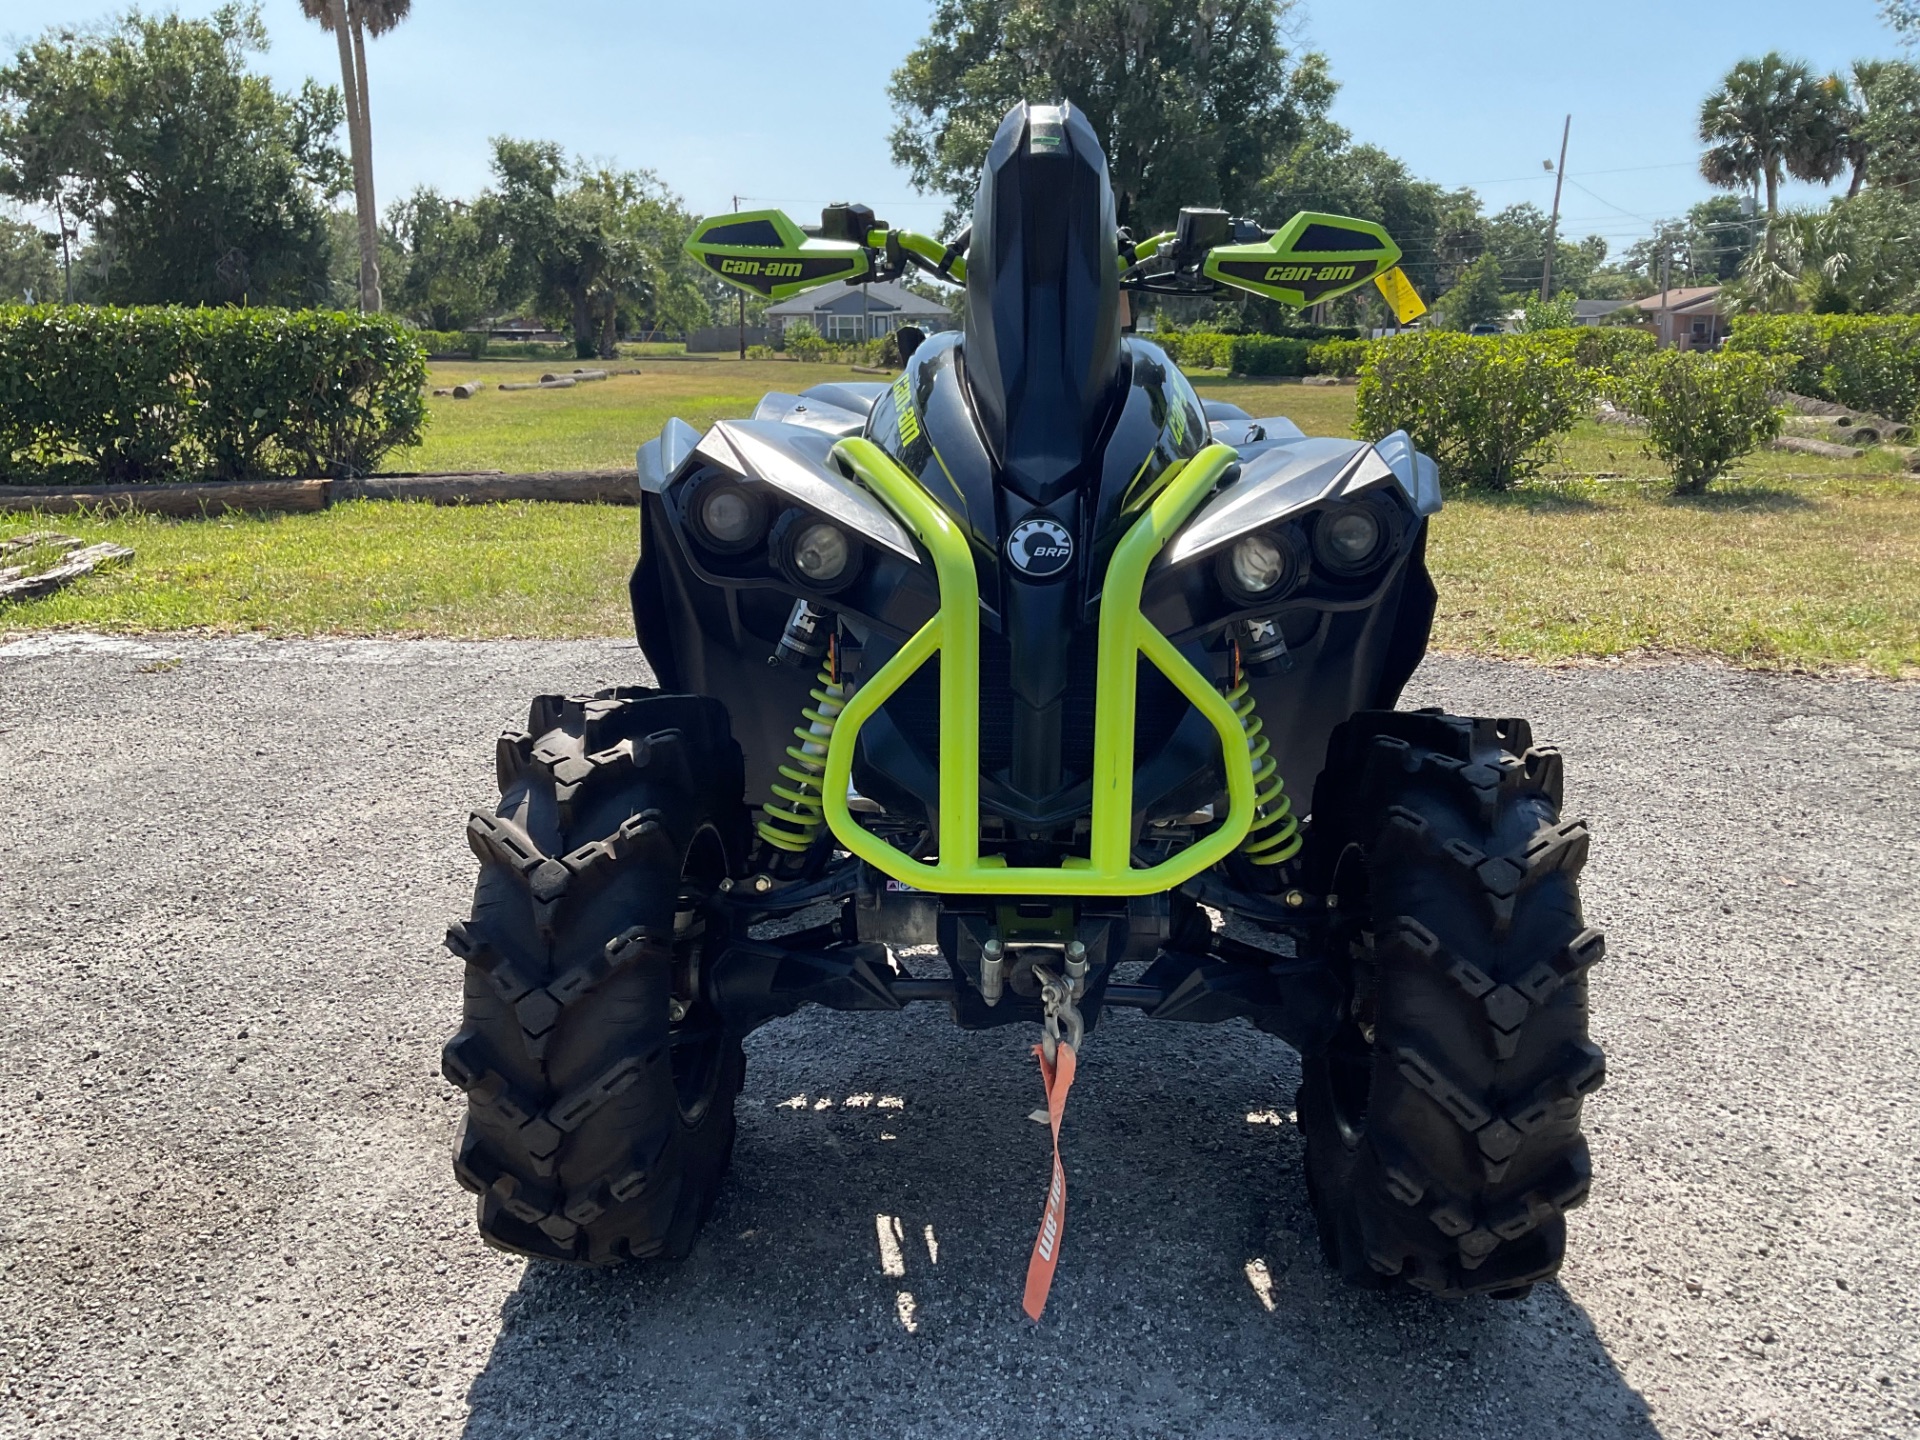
(1040,547)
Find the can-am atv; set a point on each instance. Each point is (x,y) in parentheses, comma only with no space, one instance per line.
(1023,657)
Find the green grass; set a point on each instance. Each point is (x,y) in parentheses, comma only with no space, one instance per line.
(366,568)
(1794,562)
(591,426)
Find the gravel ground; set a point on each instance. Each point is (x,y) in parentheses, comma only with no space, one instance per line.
(225,1204)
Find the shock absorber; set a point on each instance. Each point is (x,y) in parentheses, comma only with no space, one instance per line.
(1274,837)
(795,814)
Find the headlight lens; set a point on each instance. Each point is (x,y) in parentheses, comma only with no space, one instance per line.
(727,518)
(821,553)
(1348,540)
(1257,564)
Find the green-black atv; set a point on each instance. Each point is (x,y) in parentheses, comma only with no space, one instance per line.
(1026,657)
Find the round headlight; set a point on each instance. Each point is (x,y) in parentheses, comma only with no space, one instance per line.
(728,518)
(1347,540)
(821,553)
(1257,564)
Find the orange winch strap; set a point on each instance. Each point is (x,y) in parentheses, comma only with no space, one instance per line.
(1058,1079)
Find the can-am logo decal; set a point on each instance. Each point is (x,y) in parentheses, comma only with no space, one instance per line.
(1040,547)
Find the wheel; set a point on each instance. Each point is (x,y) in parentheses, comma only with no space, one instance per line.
(1442,1125)
(600,1085)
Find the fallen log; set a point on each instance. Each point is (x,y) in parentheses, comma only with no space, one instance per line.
(565,384)
(467,389)
(580,487)
(572,375)
(17,586)
(1800,445)
(1807,405)
(212,497)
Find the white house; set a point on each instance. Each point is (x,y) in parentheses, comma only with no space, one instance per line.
(860,312)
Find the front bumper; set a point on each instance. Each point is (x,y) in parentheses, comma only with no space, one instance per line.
(954,634)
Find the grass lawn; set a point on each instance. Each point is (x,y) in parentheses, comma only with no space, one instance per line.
(1793,563)
(594,425)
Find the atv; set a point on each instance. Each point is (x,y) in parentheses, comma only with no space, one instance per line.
(1025,657)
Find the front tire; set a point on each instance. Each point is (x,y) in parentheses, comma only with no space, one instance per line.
(600,1084)
(1442,1125)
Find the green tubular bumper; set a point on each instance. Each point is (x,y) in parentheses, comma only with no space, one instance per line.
(959,868)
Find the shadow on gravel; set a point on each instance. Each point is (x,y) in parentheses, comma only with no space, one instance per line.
(861,1275)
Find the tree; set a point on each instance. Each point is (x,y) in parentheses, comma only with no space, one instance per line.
(1887,93)
(1479,298)
(1904,17)
(454,267)
(351,21)
(1770,118)
(588,244)
(1194,100)
(200,183)
(27,271)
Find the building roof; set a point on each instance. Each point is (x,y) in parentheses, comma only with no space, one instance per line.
(882,297)
(1695,297)
(1597,309)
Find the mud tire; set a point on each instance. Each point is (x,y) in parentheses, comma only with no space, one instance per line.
(1442,1125)
(600,1087)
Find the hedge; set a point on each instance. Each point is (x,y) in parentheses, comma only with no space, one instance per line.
(1865,362)
(449,344)
(1338,357)
(1249,354)
(1488,409)
(92,394)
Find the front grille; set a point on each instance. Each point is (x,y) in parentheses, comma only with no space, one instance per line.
(915,708)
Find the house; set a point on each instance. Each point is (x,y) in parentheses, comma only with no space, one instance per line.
(1686,319)
(1594,312)
(847,312)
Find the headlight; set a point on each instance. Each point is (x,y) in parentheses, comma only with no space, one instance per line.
(1347,539)
(1257,564)
(815,553)
(728,518)
(1256,567)
(821,553)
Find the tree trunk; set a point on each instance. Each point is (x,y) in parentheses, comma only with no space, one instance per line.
(584,346)
(369,210)
(362,178)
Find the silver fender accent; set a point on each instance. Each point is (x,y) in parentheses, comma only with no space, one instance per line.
(793,460)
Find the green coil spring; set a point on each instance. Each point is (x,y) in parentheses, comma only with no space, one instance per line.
(794,824)
(1274,838)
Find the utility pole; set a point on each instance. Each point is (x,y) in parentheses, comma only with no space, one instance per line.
(1666,281)
(1553,225)
(741,296)
(66,255)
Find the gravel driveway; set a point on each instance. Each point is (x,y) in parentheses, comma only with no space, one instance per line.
(226,1209)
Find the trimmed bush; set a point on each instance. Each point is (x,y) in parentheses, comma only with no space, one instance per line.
(1196,349)
(1269,355)
(448,344)
(1337,357)
(1865,362)
(162,393)
(1486,408)
(1611,348)
(1703,411)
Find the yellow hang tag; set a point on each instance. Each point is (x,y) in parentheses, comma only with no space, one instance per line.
(1400,294)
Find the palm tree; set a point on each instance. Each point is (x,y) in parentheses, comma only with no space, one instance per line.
(351,21)
(1759,127)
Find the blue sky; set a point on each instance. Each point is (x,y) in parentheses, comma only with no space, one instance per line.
(771,101)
